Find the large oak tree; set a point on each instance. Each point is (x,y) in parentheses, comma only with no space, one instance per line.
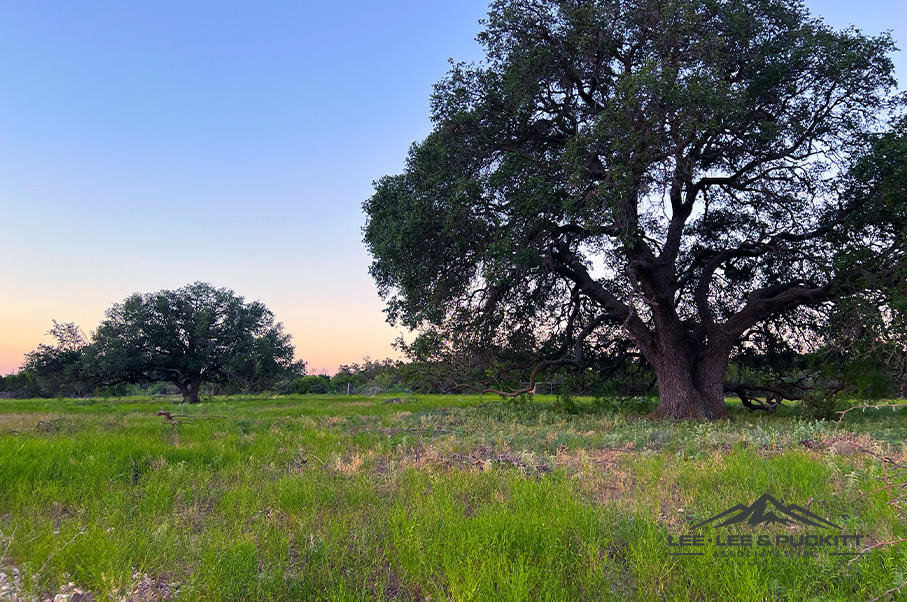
(672,172)
(190,335)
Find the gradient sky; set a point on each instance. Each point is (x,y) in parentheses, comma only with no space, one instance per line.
(146,145)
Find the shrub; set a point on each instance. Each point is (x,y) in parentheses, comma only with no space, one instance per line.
(565,401)
(312,383)
(821,404)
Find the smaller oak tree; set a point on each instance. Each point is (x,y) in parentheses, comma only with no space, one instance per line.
(57,369)
(193,334)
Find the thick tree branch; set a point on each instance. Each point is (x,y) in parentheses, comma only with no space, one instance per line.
(766,302)
(777,395)
(571,268)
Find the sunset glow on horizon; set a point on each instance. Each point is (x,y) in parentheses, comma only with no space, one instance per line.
(326,335)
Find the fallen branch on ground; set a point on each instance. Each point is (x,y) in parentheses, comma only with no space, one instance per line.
(891,591)
(171,418)
(877,545)
(63,547)
(878,406)
(900,470)
(774,398)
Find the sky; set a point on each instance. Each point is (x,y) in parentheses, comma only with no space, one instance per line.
(147,145)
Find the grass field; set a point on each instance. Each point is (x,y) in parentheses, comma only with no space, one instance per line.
(429,498)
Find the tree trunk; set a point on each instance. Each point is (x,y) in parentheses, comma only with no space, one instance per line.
(690,384)
(184,390)
(711,372)
(194,385)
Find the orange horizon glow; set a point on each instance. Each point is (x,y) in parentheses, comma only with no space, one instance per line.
(325,334)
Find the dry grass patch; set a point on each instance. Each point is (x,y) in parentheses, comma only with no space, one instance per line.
(194,516)
(601,474)
(347,465)
(23,422)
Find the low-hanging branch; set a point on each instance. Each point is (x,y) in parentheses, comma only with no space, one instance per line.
(776,397)
(574,360)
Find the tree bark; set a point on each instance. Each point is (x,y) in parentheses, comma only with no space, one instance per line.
(184,390)
(690,383)
(195,384)
(711,371)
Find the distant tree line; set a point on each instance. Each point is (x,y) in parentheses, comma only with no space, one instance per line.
(368,378)
(771,367)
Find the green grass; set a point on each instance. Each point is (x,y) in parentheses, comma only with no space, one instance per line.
(438,497)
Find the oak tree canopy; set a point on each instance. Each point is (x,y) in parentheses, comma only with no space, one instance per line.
(191,335)
(671,173)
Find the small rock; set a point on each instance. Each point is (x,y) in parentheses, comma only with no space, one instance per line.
(150,590)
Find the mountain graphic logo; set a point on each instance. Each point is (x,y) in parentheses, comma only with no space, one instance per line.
(768,510)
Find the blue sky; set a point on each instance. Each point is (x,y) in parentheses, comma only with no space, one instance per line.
(147,145)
